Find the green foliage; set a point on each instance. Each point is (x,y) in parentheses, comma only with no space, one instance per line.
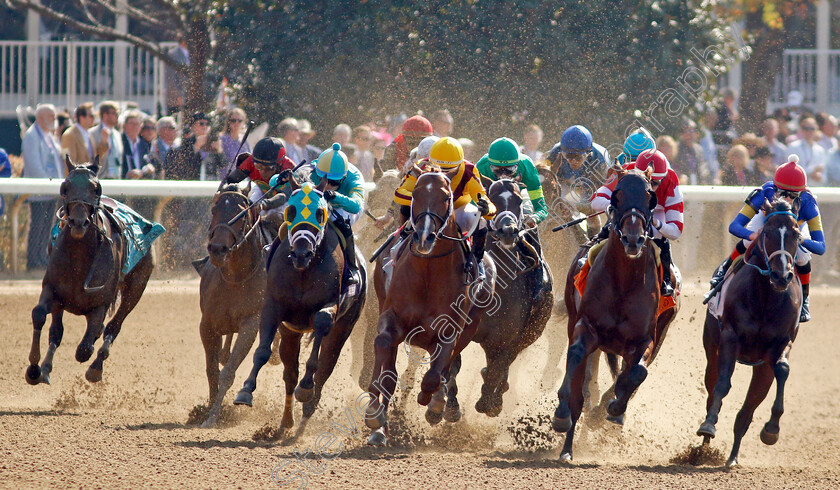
(497,66)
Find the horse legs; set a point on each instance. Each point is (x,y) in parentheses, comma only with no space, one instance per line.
(581,345)
(711,343)
(384,379)
(627,383)
(770,432)
(94,329)
(322,322)
(727,354)
(269,319)
(762,378)
(328,358)
(289,355)
(576,407)
(452,412)
(45,305)
(244,340)
(211,342)
(495,384)
(56,334)
(224,352)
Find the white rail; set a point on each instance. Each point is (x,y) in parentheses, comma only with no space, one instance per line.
(799,72)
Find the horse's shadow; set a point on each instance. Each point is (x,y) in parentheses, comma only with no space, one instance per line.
(679,469)
(534,464)
(367,453)
(230,444)
(37,413)
(160,426)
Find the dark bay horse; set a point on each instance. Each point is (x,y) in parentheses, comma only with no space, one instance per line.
(618,310)
(304,295)
(428,304)
(757,327)
(84,275)
(232,291)
(524,285)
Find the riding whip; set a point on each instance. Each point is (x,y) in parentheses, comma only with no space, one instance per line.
(385,244)
(575,221)
(261,199)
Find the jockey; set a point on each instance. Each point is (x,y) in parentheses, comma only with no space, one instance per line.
(667,216)
(345,194)
(638,141)
(448,155)
(789,181)
(504,161)
(581,167)
(414,129)
(269,158)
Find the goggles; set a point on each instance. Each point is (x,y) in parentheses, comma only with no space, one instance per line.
(789,194)
(508,170)
(336,183)
(575,157)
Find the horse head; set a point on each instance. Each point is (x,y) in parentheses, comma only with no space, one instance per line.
(778,240)
(80,192)
(224,236)
(306,220)
(431,210)
(632,205)
(505,195)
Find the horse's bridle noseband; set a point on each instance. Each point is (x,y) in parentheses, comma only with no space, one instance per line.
(438,233)
(618,223)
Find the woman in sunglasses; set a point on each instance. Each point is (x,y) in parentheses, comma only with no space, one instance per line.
(789,182)
(234,126)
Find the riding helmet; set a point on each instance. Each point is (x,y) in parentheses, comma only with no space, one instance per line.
(576,139)
(655,159)
(790,176)
(332,163)
(638,142)
(269,151)
(447,153)
(504,152)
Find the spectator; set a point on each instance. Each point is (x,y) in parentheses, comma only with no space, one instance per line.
(289,133)
(200,157)
(828,125)
(176,80)
(167,138)
(770,132)
(443,123)
(378,149)
(363,158)
(414,129)
(751,142)
(5,172)
(764,166)
(41,160)
(690,163)
(64,123)
(533,138)
(342,134)
(234,125)
(707,142)
(724,130)
(668,147)
(832,168)
(135,149)
(735,171)
(469,148)
(310,152)
(76,142)
(782,116)
(107,140)
(811,154)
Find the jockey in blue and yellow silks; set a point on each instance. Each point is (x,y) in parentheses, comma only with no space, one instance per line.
(790,183)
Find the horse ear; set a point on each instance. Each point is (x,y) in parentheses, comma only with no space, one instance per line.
(452,173)
(486,181)
(653,200)
(245,187)
(766,207)
(290,213)
(68,163)
(648,172)
(614,199)
(795,205)
(94,166)
(321,215)
(322,185)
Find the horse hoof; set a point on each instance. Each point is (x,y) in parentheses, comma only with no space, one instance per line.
(432,417)
(33,374)
(423,398)
(244,398)
(732,463)
(484,373)
(287,422)
(494,410)
(566,458)
(452,414)
(83,352)
(768,437)
(377,438)
(616,408)
(93,375)
(707,430)
(210,422)
(619,420)
(303,395)
(561,424)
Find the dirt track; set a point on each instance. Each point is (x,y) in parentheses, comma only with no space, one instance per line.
(130,431)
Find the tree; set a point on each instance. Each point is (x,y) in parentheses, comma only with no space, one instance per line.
(192,18)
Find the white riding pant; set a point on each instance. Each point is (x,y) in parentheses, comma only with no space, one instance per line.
(468,217)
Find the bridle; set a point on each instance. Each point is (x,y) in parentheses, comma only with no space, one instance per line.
(62,212)
(239,237)
(763,247)
(438,233)
(618,222)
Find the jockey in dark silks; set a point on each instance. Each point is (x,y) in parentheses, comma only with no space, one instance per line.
(580,167)
(790,183)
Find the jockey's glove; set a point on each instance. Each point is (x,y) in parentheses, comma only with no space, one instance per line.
(329,195)
(483,206)
(284,176)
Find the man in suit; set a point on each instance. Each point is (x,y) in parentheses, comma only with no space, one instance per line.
(107,141)
(167,139)
(41,160)
(76,141)
(176,81)
(135,149)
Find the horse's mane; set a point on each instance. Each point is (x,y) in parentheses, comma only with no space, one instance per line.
(780,205)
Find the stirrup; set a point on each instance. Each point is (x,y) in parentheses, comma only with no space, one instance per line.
(666,289)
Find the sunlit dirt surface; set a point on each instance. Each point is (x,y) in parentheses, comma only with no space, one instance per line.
(130,430)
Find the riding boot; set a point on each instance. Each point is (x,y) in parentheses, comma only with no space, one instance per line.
(479,240)
(805,313)
(720,272)
(666,288)
(349,250)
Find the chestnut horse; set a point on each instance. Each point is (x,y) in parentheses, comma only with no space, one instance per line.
(430,304)
(757,327)
(84,275)
(524,285)
(304,294)
(232,291)
(618,310)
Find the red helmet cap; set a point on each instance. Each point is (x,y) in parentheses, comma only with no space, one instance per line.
(790,176)
(655,159)
(417,126)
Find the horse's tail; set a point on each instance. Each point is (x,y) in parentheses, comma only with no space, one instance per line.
(612,362)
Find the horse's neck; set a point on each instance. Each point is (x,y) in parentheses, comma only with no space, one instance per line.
(246,258)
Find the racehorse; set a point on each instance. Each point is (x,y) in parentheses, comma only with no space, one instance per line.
(619,315)
(524,284)
(757,327)
(430,303)
(304,294)
(84,275)
(232,291)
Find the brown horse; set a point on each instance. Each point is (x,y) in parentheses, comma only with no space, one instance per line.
(428,304)
(304,294)
(524,285)
(618,310)
(757,327)
(232,291)
(84,275)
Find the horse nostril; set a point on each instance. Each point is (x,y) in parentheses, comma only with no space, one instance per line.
(640,241)
(625,241)
(788,277)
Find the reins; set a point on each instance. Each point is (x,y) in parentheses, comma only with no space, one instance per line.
(764,256)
